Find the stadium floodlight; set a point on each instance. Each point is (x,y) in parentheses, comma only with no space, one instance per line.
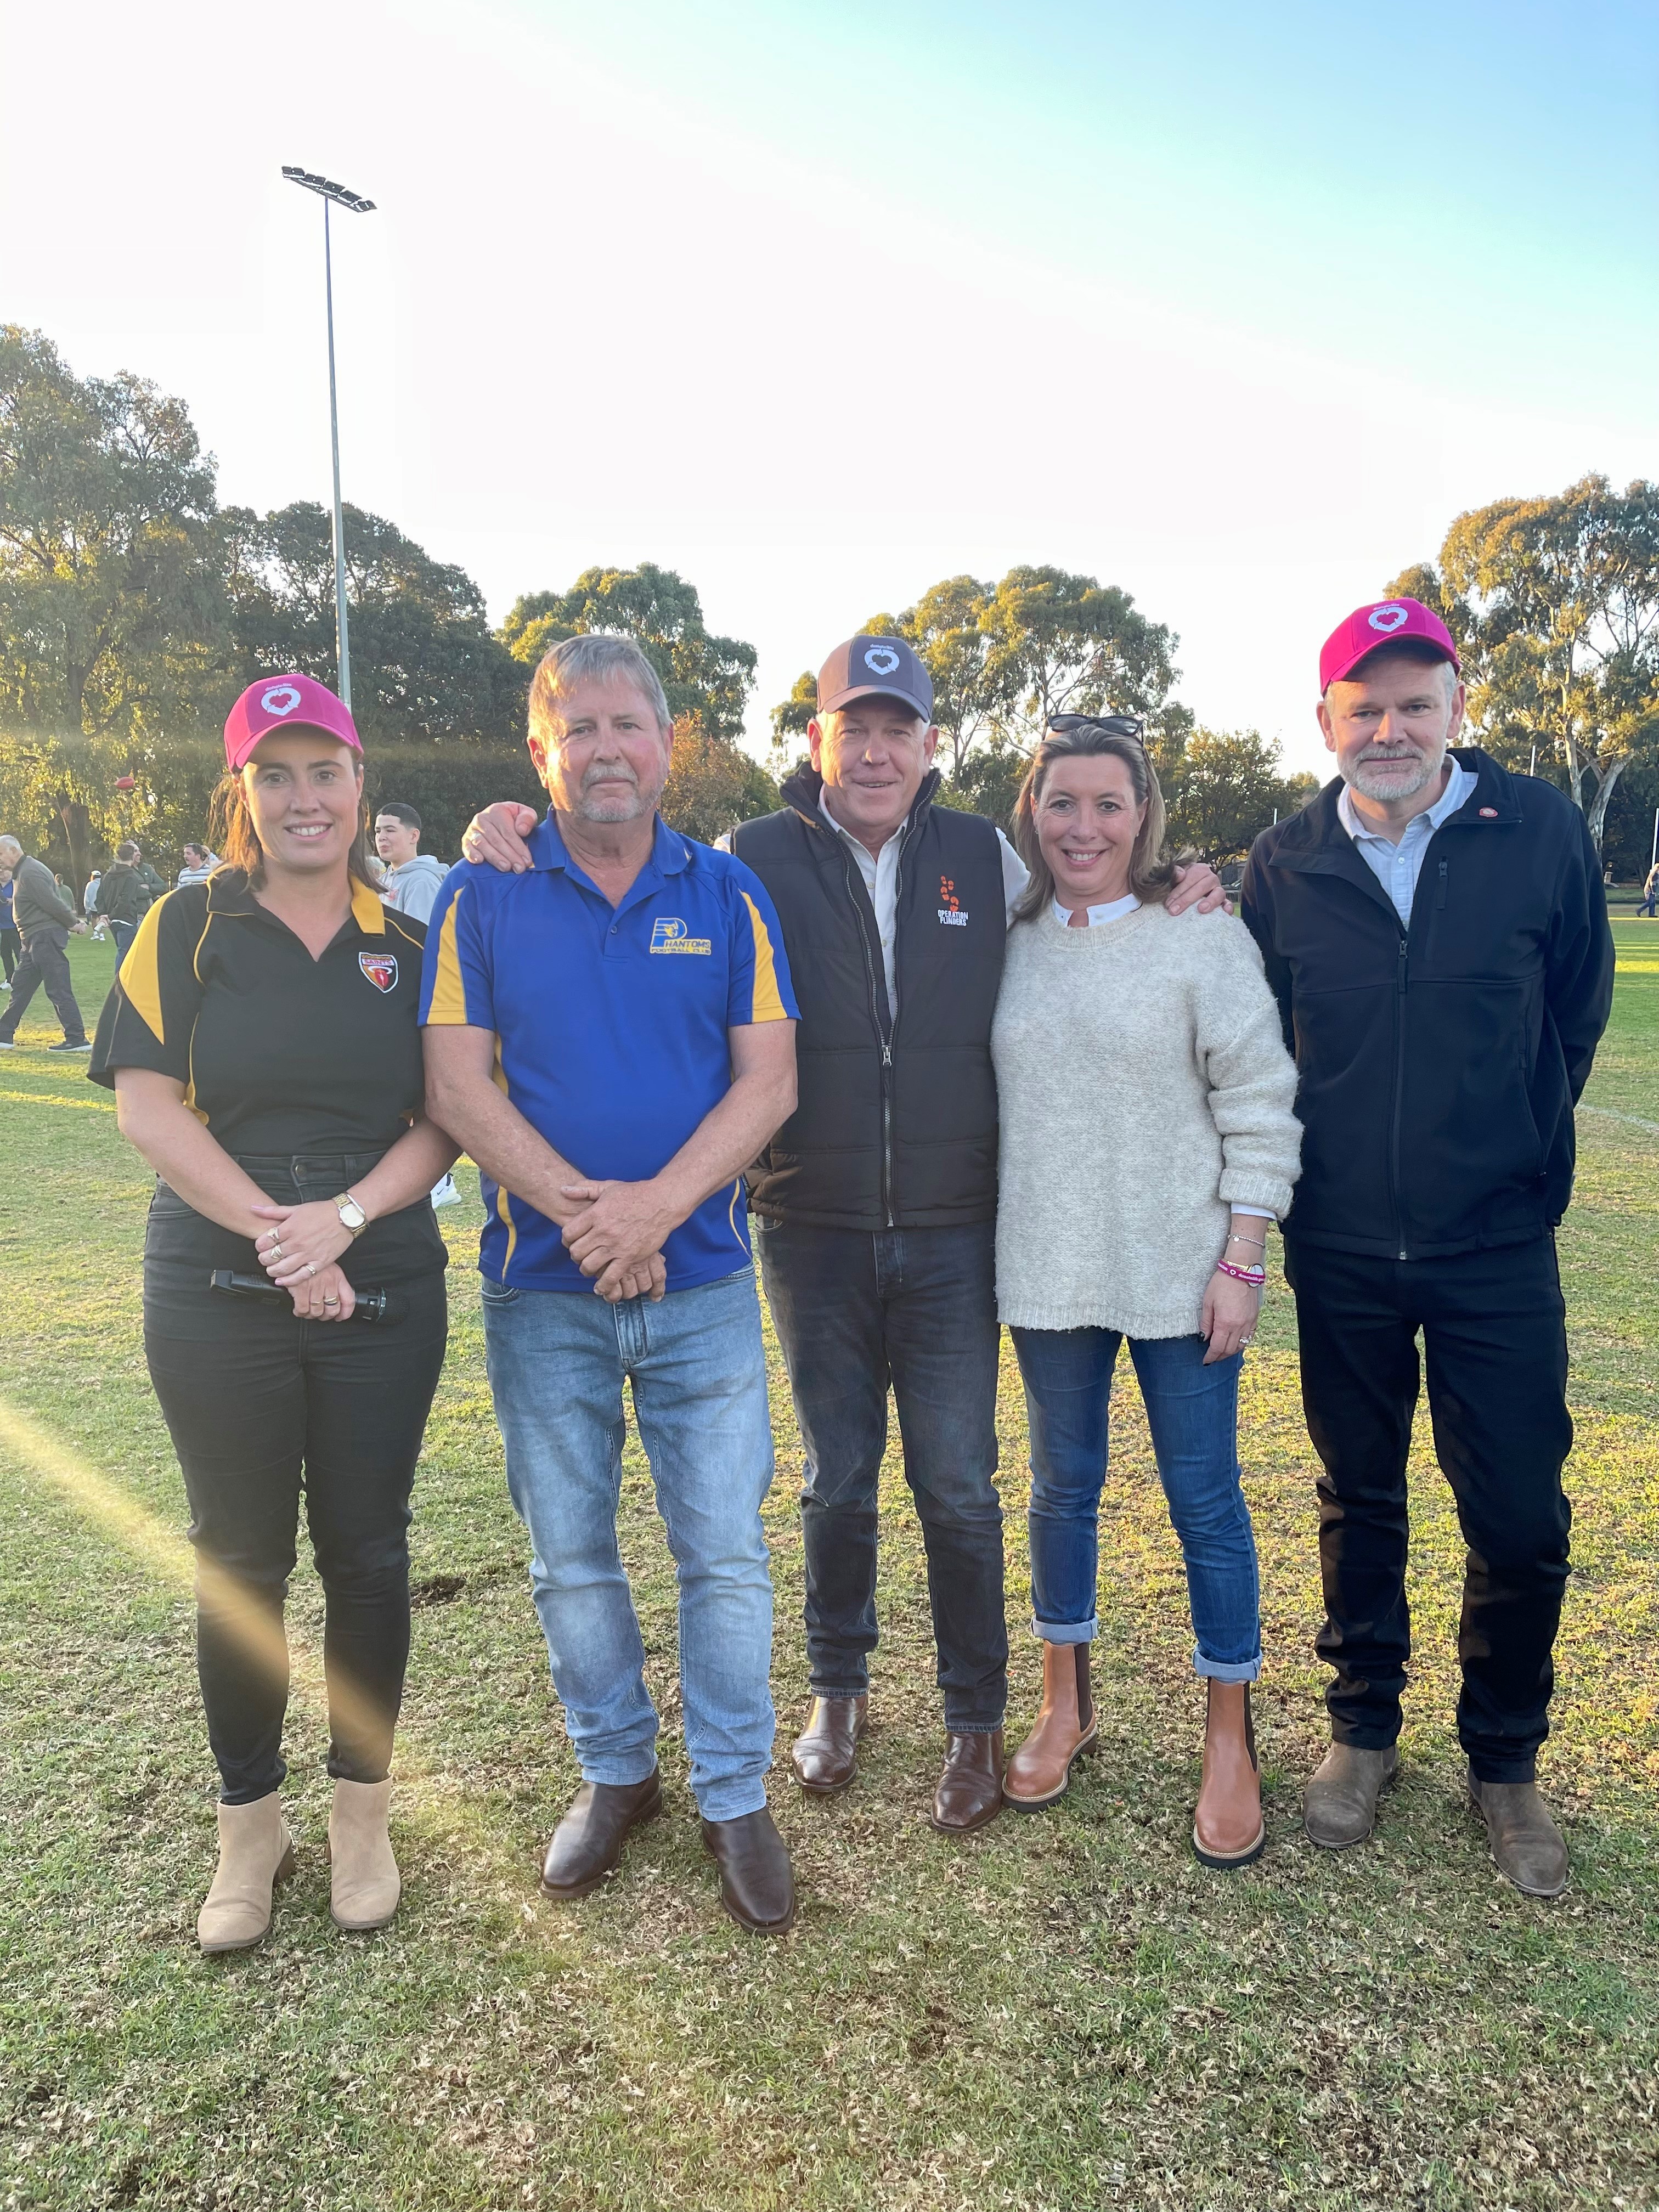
(334,195)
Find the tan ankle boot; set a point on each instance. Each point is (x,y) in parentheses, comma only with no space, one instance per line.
(1064,1728)
(255,1853)
(363,1876)
(1228,1831)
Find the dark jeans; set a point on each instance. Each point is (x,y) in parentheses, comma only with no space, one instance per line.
(917,1308)
(1494,1338)
(11,948)
(122,933)
(263,1408)
(43,961)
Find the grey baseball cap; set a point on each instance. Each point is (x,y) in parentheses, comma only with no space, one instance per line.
(875,668)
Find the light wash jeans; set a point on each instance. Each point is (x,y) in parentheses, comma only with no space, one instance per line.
(1193,1413)
(556,1360)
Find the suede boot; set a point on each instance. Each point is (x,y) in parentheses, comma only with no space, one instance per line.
(1527,1844)
(1340,1808)
(255,1853)
(363,1879)
(1064,1730)
(1228,1830)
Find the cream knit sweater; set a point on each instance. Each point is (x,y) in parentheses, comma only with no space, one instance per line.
(1144,1089)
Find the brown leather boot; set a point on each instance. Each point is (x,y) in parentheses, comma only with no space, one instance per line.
(1228,1831)
(824,1755)
(969,1792)
(1064,1730)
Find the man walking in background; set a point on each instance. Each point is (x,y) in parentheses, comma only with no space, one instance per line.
(122,899)
(1436,931)
(413,878)
(45,920)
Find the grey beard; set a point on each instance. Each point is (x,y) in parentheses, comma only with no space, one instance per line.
(1359,777)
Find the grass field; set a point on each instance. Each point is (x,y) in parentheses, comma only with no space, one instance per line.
(1065,2012)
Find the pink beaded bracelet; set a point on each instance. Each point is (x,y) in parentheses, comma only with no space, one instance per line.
(1256,1275)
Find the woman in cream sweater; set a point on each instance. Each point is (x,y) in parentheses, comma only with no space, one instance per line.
(1147,1141)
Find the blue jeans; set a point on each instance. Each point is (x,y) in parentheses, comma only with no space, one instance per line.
(854,1310)
(1193,1411)
(556,1360)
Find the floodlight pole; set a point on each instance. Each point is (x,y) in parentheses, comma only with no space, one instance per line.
(330,194)
(342,632)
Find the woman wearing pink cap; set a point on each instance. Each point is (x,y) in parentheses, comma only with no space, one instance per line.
(262,1045)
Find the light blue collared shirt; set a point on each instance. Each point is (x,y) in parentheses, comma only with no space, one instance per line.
(1397,867)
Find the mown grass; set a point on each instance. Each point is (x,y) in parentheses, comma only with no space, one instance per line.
(1066,2012)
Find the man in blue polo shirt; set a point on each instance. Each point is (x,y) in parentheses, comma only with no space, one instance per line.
(612,1036)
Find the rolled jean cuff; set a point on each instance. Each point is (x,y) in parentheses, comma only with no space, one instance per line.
(1226,1670)
(840,1689)
(1522,1768)
(1066,1631)
(619,1770)
(729,1801)
(954,1727)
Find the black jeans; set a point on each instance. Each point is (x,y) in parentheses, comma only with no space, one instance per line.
(43,961)
(262,1407)
(11,946)
(916,1306)
(1494,1338)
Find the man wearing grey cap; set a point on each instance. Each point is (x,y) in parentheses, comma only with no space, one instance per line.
(875,1204)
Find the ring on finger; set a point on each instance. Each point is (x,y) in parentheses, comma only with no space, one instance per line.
(311,1269)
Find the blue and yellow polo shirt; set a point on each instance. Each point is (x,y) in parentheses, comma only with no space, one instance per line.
(611,1026)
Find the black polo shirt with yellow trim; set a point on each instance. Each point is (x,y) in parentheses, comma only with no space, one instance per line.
(279,1054)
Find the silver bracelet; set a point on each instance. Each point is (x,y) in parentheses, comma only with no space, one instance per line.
(1256,1244)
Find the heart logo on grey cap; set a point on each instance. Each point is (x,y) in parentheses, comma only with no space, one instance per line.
(882,660)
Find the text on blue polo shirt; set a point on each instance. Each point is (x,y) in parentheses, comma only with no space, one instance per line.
(611,1026)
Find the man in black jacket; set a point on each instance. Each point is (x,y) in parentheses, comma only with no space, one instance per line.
(122,899)
(1436,931)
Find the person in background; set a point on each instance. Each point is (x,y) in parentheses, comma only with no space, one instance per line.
(262,1043)
(413,878)
(1147,1140)
(10,943)
(1649,905)
(44,918)
(1436,931)
(122,900)
(90,906)
(200,861)
(154,886)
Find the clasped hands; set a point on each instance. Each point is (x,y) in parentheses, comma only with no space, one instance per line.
(298,1253)
(618,1236)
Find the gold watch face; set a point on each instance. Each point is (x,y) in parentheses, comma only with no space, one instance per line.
(352,1214)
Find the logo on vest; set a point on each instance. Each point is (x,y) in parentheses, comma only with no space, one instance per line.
(668,934)
(950,911)
(380,968)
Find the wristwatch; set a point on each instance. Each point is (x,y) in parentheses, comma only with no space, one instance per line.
(351,1213)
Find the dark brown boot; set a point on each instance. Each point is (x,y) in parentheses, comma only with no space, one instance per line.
(824,1755)
(969,1791)
(1228,1831)
(757,1885)
(1064,1730)
(586,1846)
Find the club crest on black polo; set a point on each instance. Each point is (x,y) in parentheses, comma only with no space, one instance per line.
(380,968)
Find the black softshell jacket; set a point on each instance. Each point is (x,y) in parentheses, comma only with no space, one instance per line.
(1439,1064)
(897,1123)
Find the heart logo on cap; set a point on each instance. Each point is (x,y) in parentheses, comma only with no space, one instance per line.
(281,699)
(882,658)
(1387,618)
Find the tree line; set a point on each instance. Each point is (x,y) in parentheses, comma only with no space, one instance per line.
(134,608)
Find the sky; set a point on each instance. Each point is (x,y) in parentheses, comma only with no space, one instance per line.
(1236,307)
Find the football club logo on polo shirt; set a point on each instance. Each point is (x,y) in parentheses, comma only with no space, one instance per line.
(380,968)
(1387,618)
(668,934)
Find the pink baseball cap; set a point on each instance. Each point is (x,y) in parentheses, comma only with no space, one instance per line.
(1384,622)
(284,702)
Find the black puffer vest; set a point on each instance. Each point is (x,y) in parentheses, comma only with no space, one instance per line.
(897,1124)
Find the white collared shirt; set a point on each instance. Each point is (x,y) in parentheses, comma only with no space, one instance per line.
(1114,910)
(880,873)
(1397,867)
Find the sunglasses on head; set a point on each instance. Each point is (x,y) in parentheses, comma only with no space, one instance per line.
(1114,726)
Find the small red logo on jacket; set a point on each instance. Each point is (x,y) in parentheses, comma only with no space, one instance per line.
(380,968)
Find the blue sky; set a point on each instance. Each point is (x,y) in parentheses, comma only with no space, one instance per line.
(1234,307)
